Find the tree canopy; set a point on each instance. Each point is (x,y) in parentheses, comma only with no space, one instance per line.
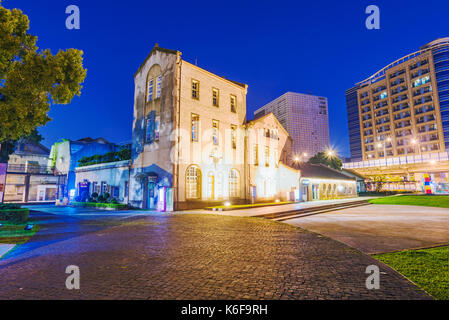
(330,161)
(32,79)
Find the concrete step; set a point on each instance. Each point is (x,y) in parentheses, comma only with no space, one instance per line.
(294,216)
(312,210)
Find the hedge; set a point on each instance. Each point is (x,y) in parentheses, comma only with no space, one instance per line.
(14,215)
(116,206)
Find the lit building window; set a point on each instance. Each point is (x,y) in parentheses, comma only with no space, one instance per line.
(267,156)
(158,86)
(150,89)
(193,183)
(234,183)
(195,89)
(195,126)
(215,97)
(256,155)
(233,103)
(215,128)
(234,137)
(210,185)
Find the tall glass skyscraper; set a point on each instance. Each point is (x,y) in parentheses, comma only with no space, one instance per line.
(403,109)
(306,119)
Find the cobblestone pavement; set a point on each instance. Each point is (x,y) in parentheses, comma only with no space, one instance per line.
(195,257)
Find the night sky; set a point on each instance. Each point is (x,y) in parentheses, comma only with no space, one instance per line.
(318,47)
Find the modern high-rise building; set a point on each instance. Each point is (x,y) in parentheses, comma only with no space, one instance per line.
(305,117)
(399,121)
(403,109)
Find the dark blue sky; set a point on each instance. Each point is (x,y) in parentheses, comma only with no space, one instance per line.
(319,47)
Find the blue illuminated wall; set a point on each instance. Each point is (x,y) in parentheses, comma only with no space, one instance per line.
(441,62)
(355,142)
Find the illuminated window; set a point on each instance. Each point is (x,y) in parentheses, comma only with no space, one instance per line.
(210,185)
(158,86)
(193,183)
(267,156)
(195,126)
(234,184)
(234,137)
(195,89)
(215,97)
(150,89)
(215,128)
(256,155)
(233,103)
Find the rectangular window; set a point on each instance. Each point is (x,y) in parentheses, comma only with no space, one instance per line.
(126,188)
(157,121)
(233,103)
(234,136)
(158,87)
(267,156)
(215,130)
(150,90)
(195,126)
(150,134)
(195,89)
(215,97)
(256,155)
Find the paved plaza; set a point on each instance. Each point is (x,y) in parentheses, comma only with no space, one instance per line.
(184,256)
(382,228)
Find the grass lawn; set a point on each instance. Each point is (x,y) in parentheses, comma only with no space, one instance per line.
(11,233)
(415,200)
(248,206)
(428,268)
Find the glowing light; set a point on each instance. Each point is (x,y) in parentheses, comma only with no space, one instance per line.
(305,154)
(414,141)
(330,153)
(388,139)
(379,145)
(227,204)
(433,162)
(277,200)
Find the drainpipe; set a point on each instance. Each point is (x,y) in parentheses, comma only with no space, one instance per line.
(177,141)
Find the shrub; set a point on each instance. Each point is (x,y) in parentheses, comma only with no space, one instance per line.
(101,199)
(94,195)
(14,215)
(9,206)
(106,195)
(113,200)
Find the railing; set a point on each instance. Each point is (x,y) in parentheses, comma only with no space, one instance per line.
(29,168)
(423,158)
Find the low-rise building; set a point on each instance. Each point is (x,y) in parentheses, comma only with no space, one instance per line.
(28,178)
(319,182)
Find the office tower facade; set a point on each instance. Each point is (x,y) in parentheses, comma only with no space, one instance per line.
(403,109)
(305,117)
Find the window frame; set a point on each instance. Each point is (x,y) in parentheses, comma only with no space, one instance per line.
(197,122)
(233,97)
(216,142)
(195,82)
(215,90)
(234,136)
(150,95)
(158,86)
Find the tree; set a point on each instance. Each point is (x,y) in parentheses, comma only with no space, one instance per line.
(330,161)
(32,80)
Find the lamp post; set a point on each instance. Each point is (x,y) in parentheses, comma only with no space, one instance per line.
(384,145)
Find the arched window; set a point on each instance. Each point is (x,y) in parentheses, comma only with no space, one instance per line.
(154,83)
(234,184)
(193,182)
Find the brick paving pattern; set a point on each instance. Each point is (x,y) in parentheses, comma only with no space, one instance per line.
(196,257)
